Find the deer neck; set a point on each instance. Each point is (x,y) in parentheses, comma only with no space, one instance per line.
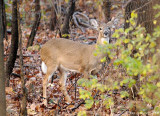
(101,39)
(100,42)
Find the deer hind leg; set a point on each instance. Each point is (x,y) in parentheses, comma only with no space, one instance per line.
(63,80)
(50,71)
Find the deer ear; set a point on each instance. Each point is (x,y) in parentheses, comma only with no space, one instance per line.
(94,24)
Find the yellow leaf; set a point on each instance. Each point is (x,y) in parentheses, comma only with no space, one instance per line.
(31,112)
(158,84)
(152,44)
(103,59)
(144,72)
(155,22)
(133,14)
(126,41)
(130,46)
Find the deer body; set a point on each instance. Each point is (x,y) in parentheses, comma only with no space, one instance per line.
(70,55)
(67,55)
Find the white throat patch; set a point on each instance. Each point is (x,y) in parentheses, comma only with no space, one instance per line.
(105,40)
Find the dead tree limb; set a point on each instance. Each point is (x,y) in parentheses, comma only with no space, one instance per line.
(80,20)
(36,23)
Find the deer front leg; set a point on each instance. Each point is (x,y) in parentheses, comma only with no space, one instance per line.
(97,69)
(86,74)
(63,79)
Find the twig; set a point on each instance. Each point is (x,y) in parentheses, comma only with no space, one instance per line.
(123,112)
(82,102)
(75,87)
(17,75)
(28,65)
(51,101)
(25,55)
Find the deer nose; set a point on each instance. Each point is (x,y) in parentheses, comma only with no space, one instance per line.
(105,33)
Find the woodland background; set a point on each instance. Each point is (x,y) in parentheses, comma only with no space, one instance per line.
(132,83)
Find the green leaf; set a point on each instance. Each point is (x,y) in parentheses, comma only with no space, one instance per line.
(115,85)
(103,59)
(131,83)
(108,102)
(89,103)
(126,41)
(130,46)
(124,94)
(81,81)
(82,113)
(124,81)
(157,6)
(152,44)
(157,110)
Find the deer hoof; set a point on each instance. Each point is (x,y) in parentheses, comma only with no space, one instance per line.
(45,102)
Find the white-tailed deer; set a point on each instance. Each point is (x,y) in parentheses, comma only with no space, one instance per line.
(67,55)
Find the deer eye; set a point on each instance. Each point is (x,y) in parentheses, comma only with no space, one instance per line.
(100,28)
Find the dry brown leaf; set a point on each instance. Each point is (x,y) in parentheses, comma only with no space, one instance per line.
(31,112)
(9,90)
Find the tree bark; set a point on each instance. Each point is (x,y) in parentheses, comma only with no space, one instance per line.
(70,10)
(36,23)
(4,22)
(2,76)
(53,19)
(14,42)
(107,10)
(23,108)
(135,5)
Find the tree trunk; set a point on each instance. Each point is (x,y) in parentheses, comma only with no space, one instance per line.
(70,10)
(53,19)
(4,22)
(107,10)
(36,23)
(23,108)
(14,42)
(2,76)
